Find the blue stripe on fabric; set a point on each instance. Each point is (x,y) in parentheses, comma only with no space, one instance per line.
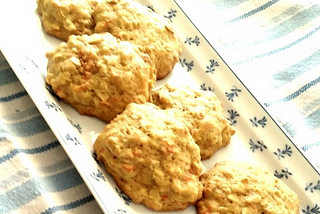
(254,11)
(295,70)
(69,206)
(26,128)
(286,13)
(32,151)
(62,164)
(17,115)
(25,174)
(282,48)
(7,76)
(310,146)
(290,129)
(296,21)
(312,104)
(295,94)
(227,4)
(26,192)
(313,120)
(13,96)
(280,30)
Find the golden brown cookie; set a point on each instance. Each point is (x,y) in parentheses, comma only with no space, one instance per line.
(62,18)
(100,75)
(152,157)
(131,21)
(202,113)
(238,187)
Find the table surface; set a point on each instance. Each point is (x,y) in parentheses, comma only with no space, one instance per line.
(272,46)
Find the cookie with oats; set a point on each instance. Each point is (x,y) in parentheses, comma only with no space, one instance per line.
(62,18)
(99,75)
(152,157)
(238,187)
(202,113)
(153,34)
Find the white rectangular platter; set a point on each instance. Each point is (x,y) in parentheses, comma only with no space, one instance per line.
(258,138)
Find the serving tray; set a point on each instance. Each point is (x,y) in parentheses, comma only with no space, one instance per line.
(258,139)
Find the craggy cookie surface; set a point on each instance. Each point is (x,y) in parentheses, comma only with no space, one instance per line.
(237,187)
(99,74)
(202,113)
(125,19)
(152,33)
(152,157)
(62,18)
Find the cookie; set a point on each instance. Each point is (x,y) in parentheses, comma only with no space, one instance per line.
(62,18)
(152,157)
(100,75)
(238,187)
(153,34)
(202,113)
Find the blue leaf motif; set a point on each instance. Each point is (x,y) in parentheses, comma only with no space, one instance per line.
(94,156)
(52,105)
(283,174)
(72,139)
(120,211)
(122,195)
(232,119)
(205,88)
(49,88)
(97,176)
(211,67)
(27,64)
(259,145)
(234,93)
(171,14)
(77,126)
(150,7)
(190,41)
(262,122)
(312,210)
(313,187)
(184,63)
(281,153)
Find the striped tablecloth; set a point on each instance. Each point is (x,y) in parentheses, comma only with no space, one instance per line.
(272,46)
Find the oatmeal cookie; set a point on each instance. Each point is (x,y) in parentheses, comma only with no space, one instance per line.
(62,18)
(238,187)
(99,74)
(131,21)
(152,157)
(202,113)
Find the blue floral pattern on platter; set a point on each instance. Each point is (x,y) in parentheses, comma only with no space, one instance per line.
(258,134)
